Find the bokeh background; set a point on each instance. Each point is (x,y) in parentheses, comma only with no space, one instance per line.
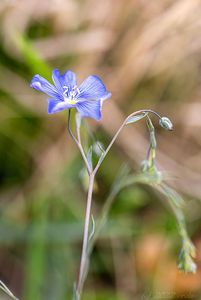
(149,55)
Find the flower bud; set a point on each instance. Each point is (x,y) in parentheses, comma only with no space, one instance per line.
(166,123)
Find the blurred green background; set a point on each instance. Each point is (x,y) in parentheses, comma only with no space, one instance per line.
(148,55)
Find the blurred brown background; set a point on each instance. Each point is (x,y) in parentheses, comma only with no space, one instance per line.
(148,53)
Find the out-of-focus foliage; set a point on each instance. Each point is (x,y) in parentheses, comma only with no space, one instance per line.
(148,53)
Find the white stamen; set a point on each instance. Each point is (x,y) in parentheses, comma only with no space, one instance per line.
(66,88)
(70,94)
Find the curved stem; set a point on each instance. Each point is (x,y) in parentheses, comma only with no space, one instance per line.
(152,112)
(118,132)
(78,143)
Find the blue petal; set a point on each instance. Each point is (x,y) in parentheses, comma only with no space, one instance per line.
(68,79)
(93,88)
(90,109)
(56,77)
(54,105)
(41,84)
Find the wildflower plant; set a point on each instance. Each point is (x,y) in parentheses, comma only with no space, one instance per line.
(88,99)
(65,94)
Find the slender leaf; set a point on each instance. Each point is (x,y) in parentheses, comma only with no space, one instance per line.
(89,156)
(136,118)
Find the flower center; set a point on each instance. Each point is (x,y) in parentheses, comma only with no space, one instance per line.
(70,94)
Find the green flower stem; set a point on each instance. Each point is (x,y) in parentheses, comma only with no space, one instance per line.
(92,172)
(84,255)
(107,206)
(4,288)
(118,132)
(102,220)
(78,143)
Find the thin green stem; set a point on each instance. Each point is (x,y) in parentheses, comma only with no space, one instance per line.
(92,172)
(84,255)
(4,288)
(78,143)
(118,132)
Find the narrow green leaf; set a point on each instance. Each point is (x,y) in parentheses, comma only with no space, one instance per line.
(36,252)
(136,118)
(89,156)
(75,295)
(98,148)
(6,290)
(93,228)
(32,57)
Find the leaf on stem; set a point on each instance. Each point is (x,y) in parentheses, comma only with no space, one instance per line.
(172,195)
(89,157)
(187,254)
(93,228)
(136,118)
(98,148)
(75,295)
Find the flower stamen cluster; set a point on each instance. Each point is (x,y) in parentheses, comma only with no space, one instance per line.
(70,96)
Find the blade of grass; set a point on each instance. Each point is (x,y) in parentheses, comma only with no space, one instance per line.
(36,252)
(31,57)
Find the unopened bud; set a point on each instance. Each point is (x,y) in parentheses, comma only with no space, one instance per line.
(166,123)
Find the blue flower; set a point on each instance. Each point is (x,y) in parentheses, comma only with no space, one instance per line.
(64,94)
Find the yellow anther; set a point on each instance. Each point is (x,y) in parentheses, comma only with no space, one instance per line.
(70,101)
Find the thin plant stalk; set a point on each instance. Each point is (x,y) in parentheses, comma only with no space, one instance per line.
(118,132)
(78,143)
(92,172)
(6,290)
(84,255)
